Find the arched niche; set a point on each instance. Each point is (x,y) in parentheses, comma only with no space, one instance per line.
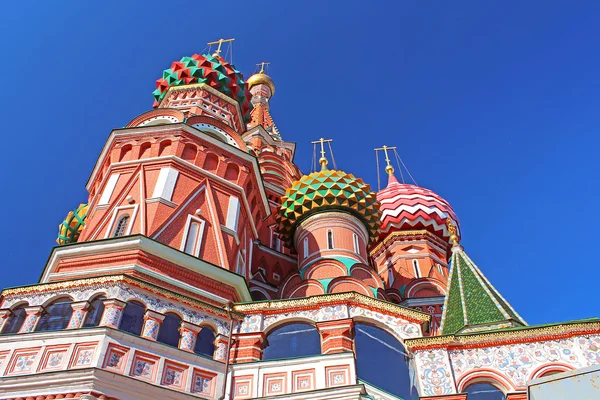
(295,339)
(374,346)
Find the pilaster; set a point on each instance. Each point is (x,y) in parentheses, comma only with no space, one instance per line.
(221,348)
(113,309)
(32,316)
(152,322)
(336,336)
(247,347)
(189,335)
(79,312)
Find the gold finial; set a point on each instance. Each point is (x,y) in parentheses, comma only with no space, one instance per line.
(262,66)
(452,230)
(219,43)
(323,160)
(389,169)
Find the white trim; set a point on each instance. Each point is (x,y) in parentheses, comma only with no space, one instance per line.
(199,237)
(165,184)
(168,253)
(356,244)
(233,213)
(109,188)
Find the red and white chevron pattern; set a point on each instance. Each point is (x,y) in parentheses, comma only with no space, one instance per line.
(408,207)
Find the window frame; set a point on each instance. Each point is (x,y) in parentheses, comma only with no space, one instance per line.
(200,236)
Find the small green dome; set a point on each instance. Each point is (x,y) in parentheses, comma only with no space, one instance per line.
(71,227)
(327,189)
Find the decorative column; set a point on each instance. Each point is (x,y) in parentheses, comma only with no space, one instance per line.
(79,312)
(32,316)
(189,335)
(152,321)
(336,336)
(113,309)
(221,348)
(247,347)
(4,315)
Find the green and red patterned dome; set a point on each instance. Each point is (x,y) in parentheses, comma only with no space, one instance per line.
(211,70)
(327,190)
(71,227)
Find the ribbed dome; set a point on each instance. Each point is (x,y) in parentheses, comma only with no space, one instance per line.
(71,227)
(410,207)
(327,189)
(213,71)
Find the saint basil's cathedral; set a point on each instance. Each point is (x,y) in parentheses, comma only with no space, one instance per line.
(206,265)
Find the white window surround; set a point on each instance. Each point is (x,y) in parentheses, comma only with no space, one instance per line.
(233,213)
(330,242)
(165,184)
(356,245)
(187,235)
(113,220)
(415,264)
(109,188)
(306,249)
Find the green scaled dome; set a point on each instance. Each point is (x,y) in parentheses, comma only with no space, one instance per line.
(71,227)
(327,189)
(211,70)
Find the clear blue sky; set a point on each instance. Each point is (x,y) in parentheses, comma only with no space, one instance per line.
(492,104)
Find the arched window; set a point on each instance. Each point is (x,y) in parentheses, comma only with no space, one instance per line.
(356,246)
(374,346)
(94,312)
(169,330)
(296,339)
(132,319)
(15,321)
(484,391)
(121,227)
(57,315)
(329,239)
(415,264)
(205,343)
(305,245)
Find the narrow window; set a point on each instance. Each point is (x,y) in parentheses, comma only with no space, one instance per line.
(121,227)
(441,269)
(330,239)
(276,242)
(305,245)
(15,321)
(417,269)
(241,265)
(356,248)
(169,330)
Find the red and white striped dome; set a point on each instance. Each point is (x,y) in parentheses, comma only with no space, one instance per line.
(410,207)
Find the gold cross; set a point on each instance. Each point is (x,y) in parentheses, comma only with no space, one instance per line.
(323,160)
(219,43)
(262,67)
(389,169)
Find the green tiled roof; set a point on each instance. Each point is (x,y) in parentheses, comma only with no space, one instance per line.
(472,303)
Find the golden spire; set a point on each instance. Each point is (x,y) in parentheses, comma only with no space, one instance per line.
(452,231)
(389,169)
(219,43)
(261,78)
(323,160)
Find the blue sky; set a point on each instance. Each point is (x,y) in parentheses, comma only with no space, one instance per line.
(493,105)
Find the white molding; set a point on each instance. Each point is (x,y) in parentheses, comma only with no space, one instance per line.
(109,189)
(139,242)
(109,230)
(198,244)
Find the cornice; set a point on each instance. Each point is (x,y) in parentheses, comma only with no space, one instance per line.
(503,337)
(350,298)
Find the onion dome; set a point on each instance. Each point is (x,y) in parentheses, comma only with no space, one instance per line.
(261,79)
(327,190)
(211,70)
(410,207)
(71,227)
